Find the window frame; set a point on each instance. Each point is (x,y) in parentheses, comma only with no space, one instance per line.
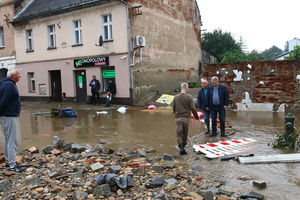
(79,30)
(29,40)
(31,82)
(2,37)
(53,35)
(107,24)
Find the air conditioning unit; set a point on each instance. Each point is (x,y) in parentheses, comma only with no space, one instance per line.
(139,41)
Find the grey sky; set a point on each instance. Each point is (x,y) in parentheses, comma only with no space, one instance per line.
(261,23)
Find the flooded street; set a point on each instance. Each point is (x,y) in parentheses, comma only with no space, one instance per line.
(156,129)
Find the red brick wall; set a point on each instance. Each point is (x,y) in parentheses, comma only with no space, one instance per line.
(267,81)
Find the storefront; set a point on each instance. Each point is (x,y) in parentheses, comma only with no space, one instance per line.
(68,79)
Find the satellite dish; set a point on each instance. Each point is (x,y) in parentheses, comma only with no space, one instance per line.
(100,42)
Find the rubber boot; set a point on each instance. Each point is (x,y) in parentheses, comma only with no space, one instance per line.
(182,150)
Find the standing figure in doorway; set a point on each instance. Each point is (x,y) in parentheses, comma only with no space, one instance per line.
(219,100)
(111,91)
(95,88)
(203,103)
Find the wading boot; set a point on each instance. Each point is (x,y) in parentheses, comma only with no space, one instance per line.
(213,135)
(223,134)
(182,150)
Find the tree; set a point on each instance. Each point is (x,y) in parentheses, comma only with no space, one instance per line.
(254,56)
(234,56)
(270,54)
(218,43)
(295,54)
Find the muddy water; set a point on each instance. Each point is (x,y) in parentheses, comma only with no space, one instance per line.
(156,130)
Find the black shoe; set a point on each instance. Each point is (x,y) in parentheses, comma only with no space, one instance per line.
(213,135)
(223,135)
(16,168)
(17,164)
(182,150)
(207,132)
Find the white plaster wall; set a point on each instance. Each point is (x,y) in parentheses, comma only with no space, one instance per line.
(8,62)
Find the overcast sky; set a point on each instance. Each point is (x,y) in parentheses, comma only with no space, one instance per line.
(261,23)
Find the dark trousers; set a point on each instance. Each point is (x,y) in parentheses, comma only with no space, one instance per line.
(182,129)
(215,112)
(207,118)
(95,96)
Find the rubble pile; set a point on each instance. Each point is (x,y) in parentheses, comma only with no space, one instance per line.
(75,171)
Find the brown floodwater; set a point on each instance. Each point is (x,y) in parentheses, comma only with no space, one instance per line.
(156,129)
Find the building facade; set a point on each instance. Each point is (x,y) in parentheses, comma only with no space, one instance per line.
(7,45)
(58,50)
(146,47)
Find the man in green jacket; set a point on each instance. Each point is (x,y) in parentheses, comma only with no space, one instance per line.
(183,105)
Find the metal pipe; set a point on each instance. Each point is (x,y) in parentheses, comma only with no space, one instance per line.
(129,46)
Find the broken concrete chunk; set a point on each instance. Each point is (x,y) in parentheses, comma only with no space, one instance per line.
(47,149)
(33,181)
(102,190)
(168,157)
(114,169)
(80,195)
(4,185)
(158,182)
(260,184)
(225,192)
(77,148)
(96,166)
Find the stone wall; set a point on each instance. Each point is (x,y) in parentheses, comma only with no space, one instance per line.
(172,53)
(267,82)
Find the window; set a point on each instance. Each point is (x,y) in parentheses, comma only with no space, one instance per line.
(77,38)
(51,36)
(1,37)
(29,40)
(31,82)
(107,27)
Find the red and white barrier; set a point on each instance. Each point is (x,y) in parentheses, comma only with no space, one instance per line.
(221,149)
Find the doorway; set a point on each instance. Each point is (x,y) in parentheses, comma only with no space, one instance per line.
(56,91)
(81,91)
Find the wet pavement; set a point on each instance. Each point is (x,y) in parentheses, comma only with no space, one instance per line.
(155,129)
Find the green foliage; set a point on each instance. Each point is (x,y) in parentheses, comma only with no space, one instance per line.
(271,53)
(295,54)
(286,144)
(234,56)
(218,43)
(254,56)
(195,84)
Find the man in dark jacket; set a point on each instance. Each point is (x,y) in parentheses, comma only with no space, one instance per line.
(95,87)
(183,105)
(111,91)
(203,103)
(219,100)
(10,107)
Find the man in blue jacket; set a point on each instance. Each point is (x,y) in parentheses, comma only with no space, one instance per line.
(10,107)
(219,100)
(203,103)
(95,87)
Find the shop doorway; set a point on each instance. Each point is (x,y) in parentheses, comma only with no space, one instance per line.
(108,73)
(56,91)
(81,91)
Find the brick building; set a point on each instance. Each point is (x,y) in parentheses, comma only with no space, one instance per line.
(150,47)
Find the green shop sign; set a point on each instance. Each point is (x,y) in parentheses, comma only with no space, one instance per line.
(92,62)
(108,74)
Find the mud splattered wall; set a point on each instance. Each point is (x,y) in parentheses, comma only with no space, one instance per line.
(267,82)
(173,51)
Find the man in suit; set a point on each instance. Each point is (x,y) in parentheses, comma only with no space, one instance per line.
(203,103)
(218,100)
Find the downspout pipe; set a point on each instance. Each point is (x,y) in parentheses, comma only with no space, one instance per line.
(129,48)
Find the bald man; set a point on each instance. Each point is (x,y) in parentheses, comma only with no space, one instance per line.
(203,103)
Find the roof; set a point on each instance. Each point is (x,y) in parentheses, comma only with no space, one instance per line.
(282,55)
(43,8)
